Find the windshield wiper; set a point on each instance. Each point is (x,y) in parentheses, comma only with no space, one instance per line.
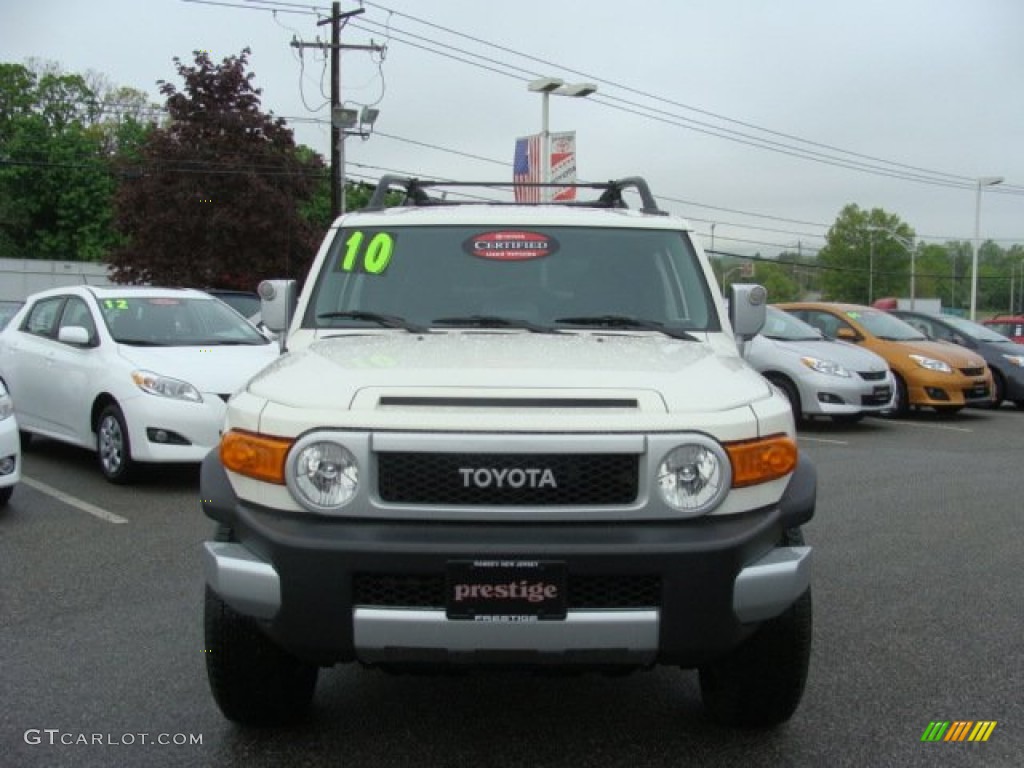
(486,321)
(388,321)
(143,343)
(625,321)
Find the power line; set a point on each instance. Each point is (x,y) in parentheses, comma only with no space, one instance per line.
(497,46)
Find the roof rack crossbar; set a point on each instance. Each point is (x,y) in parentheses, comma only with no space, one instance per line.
(415,191)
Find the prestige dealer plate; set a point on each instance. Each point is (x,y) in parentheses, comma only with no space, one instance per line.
(506,590)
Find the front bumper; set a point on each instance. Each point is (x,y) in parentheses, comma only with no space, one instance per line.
(10,452)
(822,395)
(938,390)
(192,428)
(301,576)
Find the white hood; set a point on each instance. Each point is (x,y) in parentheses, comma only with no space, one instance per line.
(683,376)
(217,369)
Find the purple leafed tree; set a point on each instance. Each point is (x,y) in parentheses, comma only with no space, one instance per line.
(213,198)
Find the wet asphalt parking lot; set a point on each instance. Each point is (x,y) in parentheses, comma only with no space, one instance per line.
(919,609)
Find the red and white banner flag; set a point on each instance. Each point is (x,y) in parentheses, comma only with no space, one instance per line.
(563,165)
(528,167)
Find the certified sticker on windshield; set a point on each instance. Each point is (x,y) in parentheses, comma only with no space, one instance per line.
(510,245)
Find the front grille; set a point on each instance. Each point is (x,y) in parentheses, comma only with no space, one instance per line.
(584,591)
(972,371)
(880,396)
(872,375)
(507,479)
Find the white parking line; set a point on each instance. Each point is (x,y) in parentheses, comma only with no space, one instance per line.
(822,440)
(85,506)
(924,425)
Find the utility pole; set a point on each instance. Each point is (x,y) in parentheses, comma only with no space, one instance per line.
(336,20)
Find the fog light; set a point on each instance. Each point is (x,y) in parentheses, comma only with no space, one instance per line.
(935,393)
(828,397)
(165,436)
(7,465)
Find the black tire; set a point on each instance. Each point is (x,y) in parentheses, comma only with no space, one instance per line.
(25,438)
(760,684)
(900,400)
(791,393)
(5,495)
(254,681)
(113,446)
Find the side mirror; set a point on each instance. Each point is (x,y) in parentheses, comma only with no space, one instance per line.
(848,334)
(277,304)
(748,309)
(74,334)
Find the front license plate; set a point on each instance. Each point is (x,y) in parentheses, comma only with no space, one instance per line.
(506,590)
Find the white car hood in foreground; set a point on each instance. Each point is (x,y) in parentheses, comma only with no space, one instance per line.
(219,369)
(682,376)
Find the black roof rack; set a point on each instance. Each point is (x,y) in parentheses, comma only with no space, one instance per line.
(415,191)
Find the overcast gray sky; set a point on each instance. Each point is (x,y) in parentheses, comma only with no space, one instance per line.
(928,93)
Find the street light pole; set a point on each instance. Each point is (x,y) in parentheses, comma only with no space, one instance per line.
(984,181)
(871,270)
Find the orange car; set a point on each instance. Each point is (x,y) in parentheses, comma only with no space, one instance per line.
(932,374)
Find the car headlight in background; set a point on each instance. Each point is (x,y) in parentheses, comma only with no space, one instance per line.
(694,477)
(322,475)
(165,386)
(1017,360)
(931,364)
(825,366)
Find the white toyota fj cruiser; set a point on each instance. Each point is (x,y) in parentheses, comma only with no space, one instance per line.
(509,434)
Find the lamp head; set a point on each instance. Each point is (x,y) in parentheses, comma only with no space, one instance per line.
(545,85)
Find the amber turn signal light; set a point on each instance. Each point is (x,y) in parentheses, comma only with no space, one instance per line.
(762,460)
(255,456)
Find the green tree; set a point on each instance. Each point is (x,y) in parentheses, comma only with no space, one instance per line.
(56,165)
(863,257)
(778,281)
(218,194)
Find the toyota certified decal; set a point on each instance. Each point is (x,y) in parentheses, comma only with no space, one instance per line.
(510,245)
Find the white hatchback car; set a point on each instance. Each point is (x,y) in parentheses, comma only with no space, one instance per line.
(821,377)
(136,374)
(10,450)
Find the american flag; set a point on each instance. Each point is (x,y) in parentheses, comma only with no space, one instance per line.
(526,168)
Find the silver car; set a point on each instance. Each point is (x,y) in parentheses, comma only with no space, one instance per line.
(821,377)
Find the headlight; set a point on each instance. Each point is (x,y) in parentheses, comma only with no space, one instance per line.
(6,406)
(322,475)
(1017,360)
(931,364)
(694,478)
(825,366)
(165,386)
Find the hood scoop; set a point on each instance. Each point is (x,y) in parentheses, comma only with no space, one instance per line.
(515,403)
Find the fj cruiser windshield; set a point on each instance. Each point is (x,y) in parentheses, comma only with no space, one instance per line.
(553,276)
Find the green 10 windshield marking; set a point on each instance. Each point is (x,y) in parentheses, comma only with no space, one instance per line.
(376,256)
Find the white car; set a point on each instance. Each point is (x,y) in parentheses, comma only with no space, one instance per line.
(10,449)
(819,376)
(136,374)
